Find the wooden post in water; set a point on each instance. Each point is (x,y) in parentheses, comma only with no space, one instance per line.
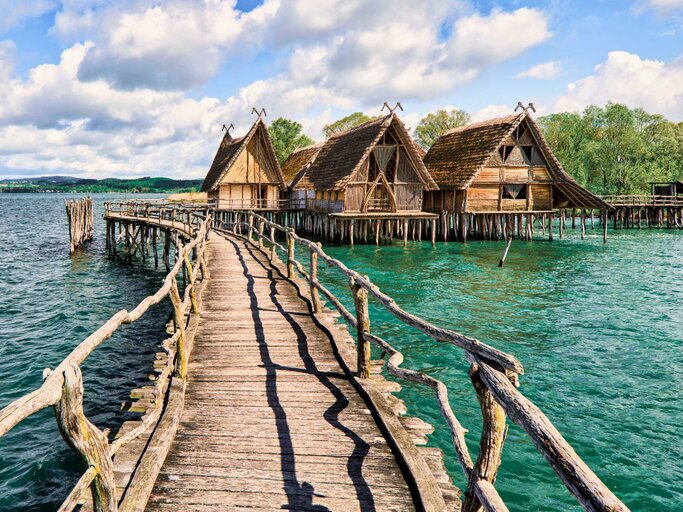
(433,226)
(550,227)
(86,440)
(505,253)
(79,213)
(360,299)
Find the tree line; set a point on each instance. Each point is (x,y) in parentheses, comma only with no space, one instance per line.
(610,150)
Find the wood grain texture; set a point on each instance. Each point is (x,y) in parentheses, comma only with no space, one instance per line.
(270,419)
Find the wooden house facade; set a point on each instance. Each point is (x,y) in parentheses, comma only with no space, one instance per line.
(245,173)
(372,168)
(294,169)
(501,165)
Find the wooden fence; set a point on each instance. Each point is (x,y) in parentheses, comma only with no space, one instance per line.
(62,387)
(643,200)
(494,375)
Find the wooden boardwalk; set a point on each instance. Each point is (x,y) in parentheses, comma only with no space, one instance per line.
(271,421)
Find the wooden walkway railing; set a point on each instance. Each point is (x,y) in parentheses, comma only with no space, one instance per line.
(62,387)
(642,200)
(494,375)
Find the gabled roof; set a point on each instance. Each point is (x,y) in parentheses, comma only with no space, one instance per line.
(458,155)
(344,152)
(299,161)
(230,149)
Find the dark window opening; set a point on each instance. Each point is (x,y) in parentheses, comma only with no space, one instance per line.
(514,191)
(528,152)
(521,130)
(505,151)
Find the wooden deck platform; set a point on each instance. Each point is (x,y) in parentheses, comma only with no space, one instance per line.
(271,421)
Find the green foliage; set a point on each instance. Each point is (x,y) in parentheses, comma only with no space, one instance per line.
(287,136)
(435,124)
(345,123)
(614,149)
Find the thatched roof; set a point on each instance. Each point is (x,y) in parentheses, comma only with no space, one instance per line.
(299,161)
(344,152)
(458,155)
(229,150)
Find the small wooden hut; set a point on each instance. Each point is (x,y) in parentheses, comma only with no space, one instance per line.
(245,172)
(668,189)
(498,166)
(294,169)
(372,168)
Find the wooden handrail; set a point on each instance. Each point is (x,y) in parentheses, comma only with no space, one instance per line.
(494,374)
(63,387)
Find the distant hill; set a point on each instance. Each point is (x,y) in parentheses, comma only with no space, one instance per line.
(85,185)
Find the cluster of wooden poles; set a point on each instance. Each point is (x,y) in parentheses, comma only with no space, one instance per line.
(637,217)
(79,214)
(445,226)
(142,239)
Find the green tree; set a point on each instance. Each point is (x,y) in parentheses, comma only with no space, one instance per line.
(287,136)
(435,124)
(615,149)
(345,123)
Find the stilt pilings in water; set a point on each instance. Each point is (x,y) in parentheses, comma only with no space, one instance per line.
(79,213)
(444,226)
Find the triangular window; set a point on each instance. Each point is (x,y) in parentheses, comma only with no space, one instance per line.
(521,130)
(505,151)
(528,152)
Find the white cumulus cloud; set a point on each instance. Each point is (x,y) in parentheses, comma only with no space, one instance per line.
(654,85)
(123,99)
(543,71)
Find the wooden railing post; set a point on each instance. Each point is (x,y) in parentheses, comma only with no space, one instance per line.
(493,432)
(260,233)
(251,226)
(179,320)
(86,439)
(312,278)
(191,278)
(272,243)
(290,253)
(360,299)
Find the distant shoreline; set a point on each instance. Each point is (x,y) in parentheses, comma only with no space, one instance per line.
(68,184)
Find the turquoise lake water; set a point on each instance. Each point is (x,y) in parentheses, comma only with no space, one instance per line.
(598,328)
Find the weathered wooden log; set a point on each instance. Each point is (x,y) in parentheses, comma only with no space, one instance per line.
(576,475)
(505,252)
(493,433)
(360,299)
(313,277)
(290,253)
(86,439)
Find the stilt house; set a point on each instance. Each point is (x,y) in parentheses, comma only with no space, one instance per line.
(374,167)
(502,165)
(294,169)
(245,172)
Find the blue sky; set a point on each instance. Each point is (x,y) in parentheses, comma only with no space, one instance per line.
(136,87)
